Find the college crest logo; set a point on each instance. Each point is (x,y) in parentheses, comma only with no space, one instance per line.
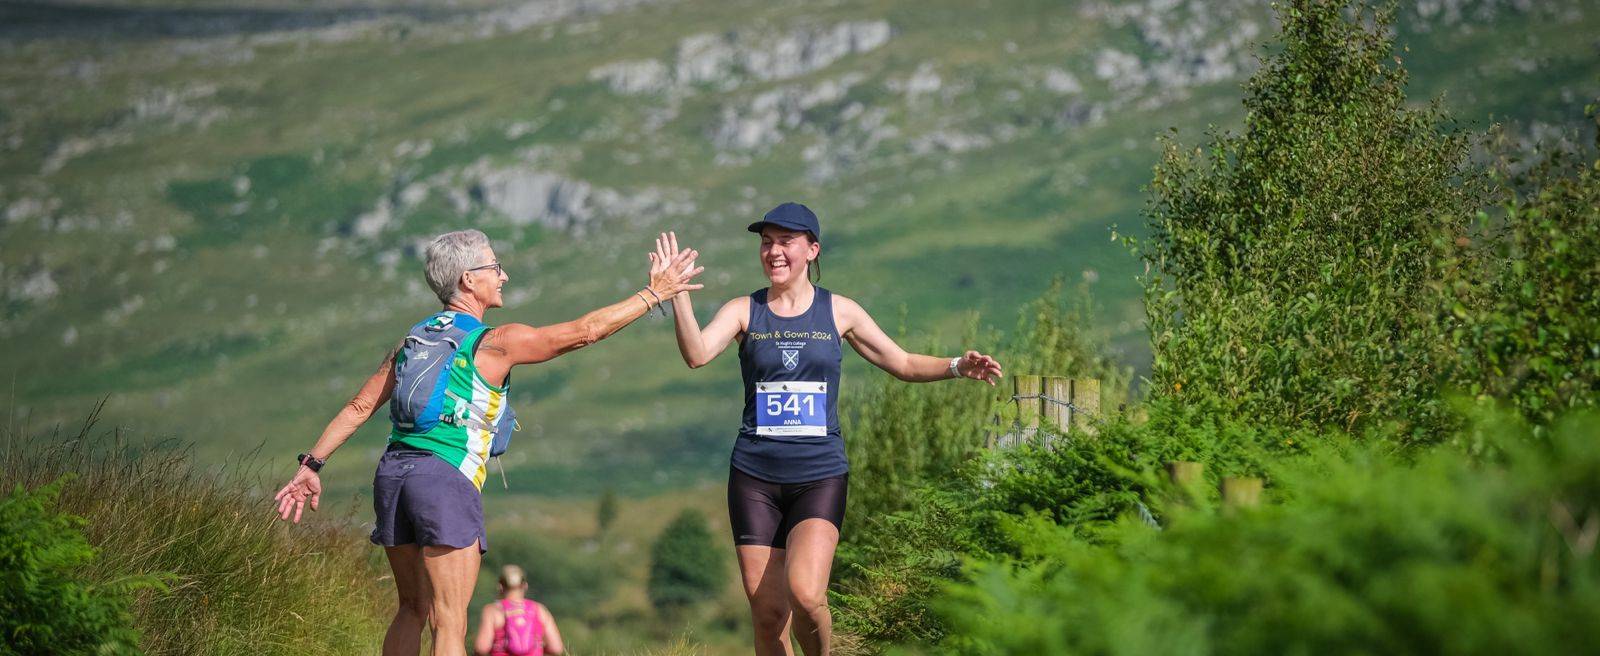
(791,359)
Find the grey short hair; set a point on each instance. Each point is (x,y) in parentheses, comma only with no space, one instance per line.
(449,256)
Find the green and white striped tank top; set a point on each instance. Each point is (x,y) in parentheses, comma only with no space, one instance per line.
(473,407)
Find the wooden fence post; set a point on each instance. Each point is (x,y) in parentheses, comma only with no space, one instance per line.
(1029,407)
(1058,415)
(1184,473)
(1241,492)
(1064,404)
(1086,398)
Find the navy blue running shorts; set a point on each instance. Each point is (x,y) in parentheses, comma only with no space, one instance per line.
(420,499)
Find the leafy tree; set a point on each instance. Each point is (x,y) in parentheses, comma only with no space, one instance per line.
(46,606)
(685,563)
(1522,308)
(1292,266)
(606,514)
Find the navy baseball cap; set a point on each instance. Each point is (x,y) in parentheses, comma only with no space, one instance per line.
(793,216)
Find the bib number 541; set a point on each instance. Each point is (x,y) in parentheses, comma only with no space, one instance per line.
(793,408)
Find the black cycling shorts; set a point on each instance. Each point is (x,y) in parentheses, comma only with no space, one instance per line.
(762,512)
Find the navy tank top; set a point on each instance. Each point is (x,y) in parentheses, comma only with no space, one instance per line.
(790,432)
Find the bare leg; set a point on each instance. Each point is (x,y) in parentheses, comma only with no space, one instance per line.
(810,562)
(452,573)
(411,582)
(761,570)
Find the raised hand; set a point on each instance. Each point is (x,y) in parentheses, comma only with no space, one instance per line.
(978,366)
(672,268)
(305,486)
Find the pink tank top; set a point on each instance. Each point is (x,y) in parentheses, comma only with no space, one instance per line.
(522,634)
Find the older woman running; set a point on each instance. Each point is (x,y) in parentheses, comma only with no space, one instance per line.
(787,483)
(426,491)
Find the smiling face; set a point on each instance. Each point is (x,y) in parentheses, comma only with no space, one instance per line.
(485,282)
(786,254)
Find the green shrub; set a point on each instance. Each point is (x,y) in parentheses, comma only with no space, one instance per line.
(901,435)
(1522,309)
(901,542)
(1084,488)
(240,580)
(1292,266)
(685,563)
(562,576)
(1358,551)
(46,604)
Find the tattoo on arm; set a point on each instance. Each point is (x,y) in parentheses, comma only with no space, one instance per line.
(491,342)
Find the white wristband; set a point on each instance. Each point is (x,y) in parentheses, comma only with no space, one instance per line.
(954,372)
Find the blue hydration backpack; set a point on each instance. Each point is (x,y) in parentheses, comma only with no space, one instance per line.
(421,375)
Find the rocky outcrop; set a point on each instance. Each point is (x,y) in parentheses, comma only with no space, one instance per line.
(1190,43)
(523,194)
(724,61)
(517,18)
(634,77)
(763,120)
(526,195)
(859,134)
(35,287)
(1449,13)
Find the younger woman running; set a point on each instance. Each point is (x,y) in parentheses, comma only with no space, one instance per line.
(514,625)
(787,483)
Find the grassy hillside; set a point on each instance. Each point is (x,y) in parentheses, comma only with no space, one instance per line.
(211,213)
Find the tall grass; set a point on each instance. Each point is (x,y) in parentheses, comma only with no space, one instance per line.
(240,582)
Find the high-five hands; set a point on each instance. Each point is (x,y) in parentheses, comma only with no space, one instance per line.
(978,366)
(671,269)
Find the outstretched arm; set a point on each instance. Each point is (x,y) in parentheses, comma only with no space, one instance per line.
(699,346)
(306,486)
(524,344)
(878,348)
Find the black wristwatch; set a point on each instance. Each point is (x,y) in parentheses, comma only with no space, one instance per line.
(312,463)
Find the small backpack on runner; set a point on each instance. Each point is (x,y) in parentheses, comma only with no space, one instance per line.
(421,375)
(524,630)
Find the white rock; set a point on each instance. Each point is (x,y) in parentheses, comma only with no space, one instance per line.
(370,224)
(41,286)
(529,196)
(24,209)
(519,130)
(1122,70)
(413,194)
(634,77)
(703,58)
(923,81)
(1060,82)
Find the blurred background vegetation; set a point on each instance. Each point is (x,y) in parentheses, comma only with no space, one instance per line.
(210,215)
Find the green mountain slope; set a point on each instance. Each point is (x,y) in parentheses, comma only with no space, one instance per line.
(212,213)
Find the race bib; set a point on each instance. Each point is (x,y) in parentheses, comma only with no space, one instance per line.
(792,409)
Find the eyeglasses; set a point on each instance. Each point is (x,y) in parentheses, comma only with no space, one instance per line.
(492,265)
